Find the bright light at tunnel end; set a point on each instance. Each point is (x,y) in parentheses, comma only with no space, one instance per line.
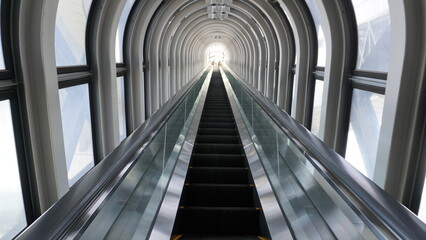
(217,53)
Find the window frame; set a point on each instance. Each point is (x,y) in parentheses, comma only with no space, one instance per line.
(372,81)
(12,90)
(74,75)
(366,80)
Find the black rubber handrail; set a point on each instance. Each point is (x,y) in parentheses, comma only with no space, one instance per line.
(400,221)
(59,218)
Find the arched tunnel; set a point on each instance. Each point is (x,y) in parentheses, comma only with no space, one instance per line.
(212,119)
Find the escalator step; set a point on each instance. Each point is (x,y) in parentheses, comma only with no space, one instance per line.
(211,99)
(217,148)
(217,237)
(221,109)
(217,111)
(217,160)
(217,195)
(218,175)
(217,125)
(218,104)
(233,139)
(216,131)
(216,119)
(217,115)
(213,220)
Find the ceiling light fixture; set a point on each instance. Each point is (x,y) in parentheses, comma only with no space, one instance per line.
(218,9)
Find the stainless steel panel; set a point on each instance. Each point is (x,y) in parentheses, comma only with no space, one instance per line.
(164,222)
(276,222)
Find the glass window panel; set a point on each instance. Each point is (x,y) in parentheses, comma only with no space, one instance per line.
(293,98)
(121,108)
(120,31)
(132,206)
(364,130)
(322,51)
(12,211)
(70,32)
(76,124)
(374,34)
(2,65)
(313,7)
(316,114)
(422,210)
(306,198)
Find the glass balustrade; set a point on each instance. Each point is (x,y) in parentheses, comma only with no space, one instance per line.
(130,209)
(312,206)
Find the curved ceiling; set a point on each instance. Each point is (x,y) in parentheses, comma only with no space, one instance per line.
(271,44)
(180,33)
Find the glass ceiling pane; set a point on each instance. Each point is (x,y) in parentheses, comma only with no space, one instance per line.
(374,34)
(70,32)
(320,33)
(120,31)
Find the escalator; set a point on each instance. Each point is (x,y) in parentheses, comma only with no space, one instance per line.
(220,161)
(219,200)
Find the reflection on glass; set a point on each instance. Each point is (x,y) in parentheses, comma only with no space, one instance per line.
(293,98)
(70,32)
(76,124)
(322,51)
(316,114)
(364,130)
(374,34)
(120,31)
(305,196)
(12,211)
(422,210)
(312,4)
(121,108)
(129,211)
(2,66)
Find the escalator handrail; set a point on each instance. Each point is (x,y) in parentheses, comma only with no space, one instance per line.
(60,217)
(399,219)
